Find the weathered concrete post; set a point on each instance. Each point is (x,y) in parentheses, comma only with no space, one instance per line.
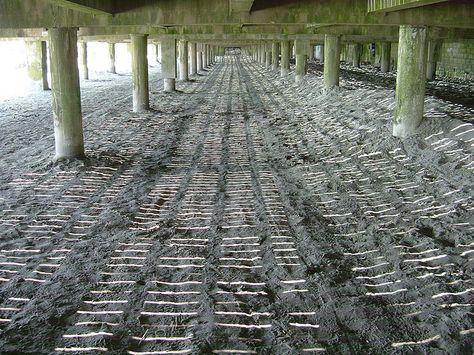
(66,93)
(199,57)
(34,59)
(205,56)
(262,54)
(112,58)
(268,54)
(183,60)
(301,50)
(411,77)
(310,52)
(275,55)
(141,101)
(385,57)
(168,64)
(433,54)
(193,53)
(285,58)
(44,64)
(332,59)
(321,53)
(356,54)
(85,68)
(158,52)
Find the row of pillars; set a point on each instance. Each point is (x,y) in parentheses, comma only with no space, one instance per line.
(416,63)
(65,82)
(278,54)
(194,57)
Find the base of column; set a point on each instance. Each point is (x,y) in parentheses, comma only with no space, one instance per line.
(68,153)
(284,71)
(299,78)
(169,85)
(431,71)
(403,130)
(140,105)
(384,68)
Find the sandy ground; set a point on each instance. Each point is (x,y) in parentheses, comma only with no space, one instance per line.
(241,215)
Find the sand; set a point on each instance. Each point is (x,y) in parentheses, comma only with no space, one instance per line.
(241,215)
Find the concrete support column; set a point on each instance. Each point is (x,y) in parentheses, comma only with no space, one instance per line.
(275,55)
(300,70)
(411,77)
(301,51)
(84,67)
(141,101)
(385,57)
(34,59)
(356,54)
(285,58)
(321,53)
(205,62)
(158,52)
(199,57)
(262,54)
(183,61)
(66,93)
(311,52)
(268,55)
(193,63)
(168,64)
(44,64)
(332,59)
(112,58)
(433,54)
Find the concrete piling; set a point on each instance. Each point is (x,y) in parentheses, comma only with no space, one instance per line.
(411,77)
(141,101)
(66,93)
(332,59)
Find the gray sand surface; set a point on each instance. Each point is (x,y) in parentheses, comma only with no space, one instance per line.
(241,215)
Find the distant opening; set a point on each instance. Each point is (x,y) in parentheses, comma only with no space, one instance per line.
(16,81)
